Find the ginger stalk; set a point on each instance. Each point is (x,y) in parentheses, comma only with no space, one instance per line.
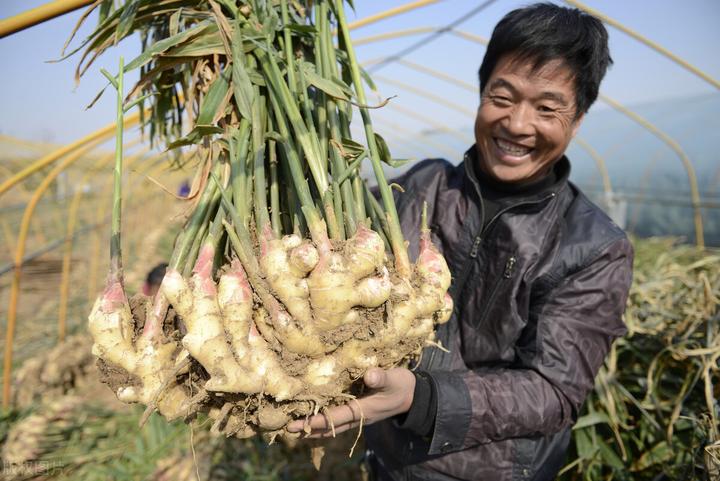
(197,303)
(110,322)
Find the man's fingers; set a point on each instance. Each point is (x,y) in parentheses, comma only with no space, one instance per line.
(333,417)
(295,426)
(375,378)
(328,433)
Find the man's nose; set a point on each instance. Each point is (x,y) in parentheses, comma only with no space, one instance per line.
(520,120)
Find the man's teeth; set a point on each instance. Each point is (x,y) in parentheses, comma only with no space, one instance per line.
(511,148)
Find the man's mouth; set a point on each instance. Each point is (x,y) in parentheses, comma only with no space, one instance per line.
(511,148)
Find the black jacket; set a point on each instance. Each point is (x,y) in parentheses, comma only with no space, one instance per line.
(539,296)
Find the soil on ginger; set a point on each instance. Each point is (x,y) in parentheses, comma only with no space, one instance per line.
(243,414)
(116,377)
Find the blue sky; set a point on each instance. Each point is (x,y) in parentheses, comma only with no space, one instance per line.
(40,101)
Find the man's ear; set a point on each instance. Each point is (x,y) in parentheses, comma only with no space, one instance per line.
(576,124)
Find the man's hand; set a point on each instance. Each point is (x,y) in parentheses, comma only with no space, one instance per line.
(391,393)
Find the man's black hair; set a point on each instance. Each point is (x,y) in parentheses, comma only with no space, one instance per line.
(155,276)
(544,32)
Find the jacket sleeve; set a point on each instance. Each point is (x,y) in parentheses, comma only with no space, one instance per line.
(574,324)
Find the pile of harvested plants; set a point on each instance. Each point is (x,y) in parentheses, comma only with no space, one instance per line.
(654,412)
(289,279)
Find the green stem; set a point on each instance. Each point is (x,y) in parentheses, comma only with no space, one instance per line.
(376,210)
(318,230)
(258,147)
(209,232)
(402,262)
(320,97)
(116,273)
(190,231)
(216,228)
(329,198)
(289,54)
(375,213)
(274,187)
(342,123)
(338,212)
(351,170)
(239,148)
(307,111)
(329,69)
(198,241)
(244,246)
(203,236)
(357,186)
(307,140)
(297,219)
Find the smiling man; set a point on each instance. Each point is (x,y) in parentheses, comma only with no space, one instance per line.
(527,117)
(540,275)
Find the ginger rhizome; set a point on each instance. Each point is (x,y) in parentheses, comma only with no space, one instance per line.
(290,278)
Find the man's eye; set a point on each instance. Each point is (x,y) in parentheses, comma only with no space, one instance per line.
(546,109)
(501,100)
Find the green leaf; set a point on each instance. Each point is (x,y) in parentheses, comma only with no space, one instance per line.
(609,456)
(368,79)
(270,24)
(351,168)
(213,101)
(242,87)
(195,136)
(272,135)
(138,100)
(257,79)
(591,419)
(352,149)
(384,153)
(203,45)
(334,89)
(111,79)
(383,149)
(659,453)
(174,24)
(395,163)
(585,448)
(164,44)
(127,17)
(105,8)
(302,29)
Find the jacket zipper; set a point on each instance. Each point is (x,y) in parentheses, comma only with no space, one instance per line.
(509,264)
(475,248)
(507,274)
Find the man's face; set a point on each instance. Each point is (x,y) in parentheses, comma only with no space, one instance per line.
(526,119)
